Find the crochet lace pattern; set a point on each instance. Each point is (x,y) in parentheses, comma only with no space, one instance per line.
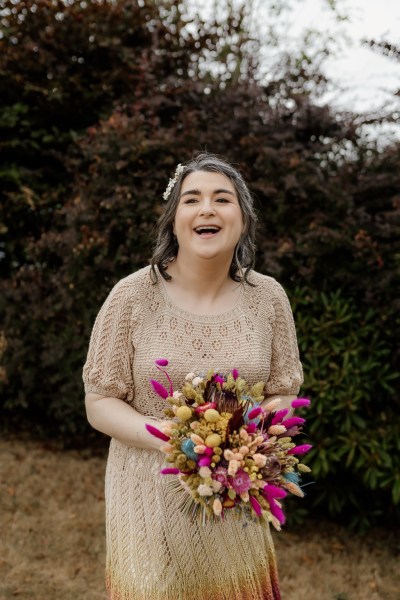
(153,551)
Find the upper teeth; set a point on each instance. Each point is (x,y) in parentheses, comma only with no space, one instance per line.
(207,228)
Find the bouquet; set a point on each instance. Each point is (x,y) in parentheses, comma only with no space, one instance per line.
(228,448)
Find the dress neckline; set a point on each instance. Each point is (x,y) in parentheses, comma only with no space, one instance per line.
(197,316)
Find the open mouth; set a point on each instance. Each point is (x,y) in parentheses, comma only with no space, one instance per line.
(207,230)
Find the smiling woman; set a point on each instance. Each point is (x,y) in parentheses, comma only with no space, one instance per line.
(201,305)
(208,224)
(208,183)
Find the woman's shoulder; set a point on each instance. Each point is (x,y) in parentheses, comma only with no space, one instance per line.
(266,284)
(133,286)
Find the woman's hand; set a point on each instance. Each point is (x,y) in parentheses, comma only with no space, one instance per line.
(119,420)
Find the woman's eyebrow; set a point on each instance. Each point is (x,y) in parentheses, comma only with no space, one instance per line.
(191,193)
(198,192)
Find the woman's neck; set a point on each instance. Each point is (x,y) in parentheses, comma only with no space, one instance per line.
(206,280)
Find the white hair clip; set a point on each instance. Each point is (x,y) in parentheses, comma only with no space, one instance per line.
(179,170)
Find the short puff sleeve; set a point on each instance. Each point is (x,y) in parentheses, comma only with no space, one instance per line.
(109,363)
(286,372)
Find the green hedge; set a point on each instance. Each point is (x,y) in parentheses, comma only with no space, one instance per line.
(353,422)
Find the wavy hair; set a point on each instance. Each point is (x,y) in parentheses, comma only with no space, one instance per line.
(166,248)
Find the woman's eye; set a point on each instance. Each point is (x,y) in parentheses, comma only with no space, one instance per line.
(222,200)
(190,200)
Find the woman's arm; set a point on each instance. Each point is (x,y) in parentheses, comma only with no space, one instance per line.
(116,418)
(286,373)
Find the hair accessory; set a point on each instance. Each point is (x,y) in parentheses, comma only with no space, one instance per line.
(179,170)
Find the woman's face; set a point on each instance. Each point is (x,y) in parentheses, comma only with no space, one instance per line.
(208,220)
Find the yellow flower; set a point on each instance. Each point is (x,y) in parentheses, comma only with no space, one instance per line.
(211,415)
(213,440)
(184,413)
(303,468)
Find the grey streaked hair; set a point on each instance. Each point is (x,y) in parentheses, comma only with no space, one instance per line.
(166,247)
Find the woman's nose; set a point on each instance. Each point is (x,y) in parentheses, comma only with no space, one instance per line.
(206,208)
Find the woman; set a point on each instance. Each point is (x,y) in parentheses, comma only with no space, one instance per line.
(199,305)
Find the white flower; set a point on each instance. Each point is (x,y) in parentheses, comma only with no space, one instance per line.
(217,507)
(204,472)
(177,395)
(204,490)
(273,404)
(233,467)
(171,184)
(276,429)
(196,381)
(260,460)
(189,376)
(216,486)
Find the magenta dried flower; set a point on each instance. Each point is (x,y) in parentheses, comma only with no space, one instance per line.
(220,474)
(276,511)
(241,482)
(300,449)
(170,471)
(279,415)
(256,506)
(157,433)
(161,362)
(300,402)
(255,412)
(235,374)
(293,422)
(251,427)
(159,388)
(272,491)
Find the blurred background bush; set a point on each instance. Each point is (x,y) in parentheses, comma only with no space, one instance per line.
(99,102)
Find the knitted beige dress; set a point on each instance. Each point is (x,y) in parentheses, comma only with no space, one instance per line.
(154,552)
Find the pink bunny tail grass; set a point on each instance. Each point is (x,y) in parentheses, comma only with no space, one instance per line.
(256,506)
(251,427)
(235,374)
(293,421)
(157,433)
(279,415)
(159,389)
(253,414)
(300,449)
(300,402)
(219,380)
(276,511)
(170,471)
(161,362)
(272,491)
(205,461)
